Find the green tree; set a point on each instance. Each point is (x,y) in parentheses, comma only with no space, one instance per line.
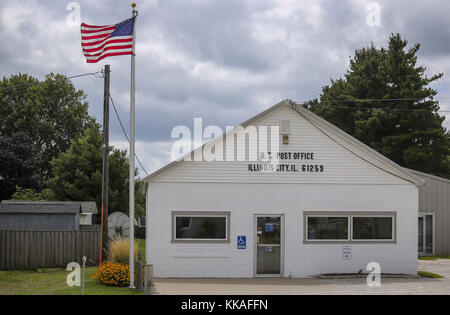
(20,164)
(408,130)
(50,113)
(77,173)
(139,203)
(29,194)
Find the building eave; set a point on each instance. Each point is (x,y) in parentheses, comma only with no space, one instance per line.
(422,174)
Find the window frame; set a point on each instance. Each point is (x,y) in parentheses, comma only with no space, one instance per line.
(213,214)
(433,216)
(350,215)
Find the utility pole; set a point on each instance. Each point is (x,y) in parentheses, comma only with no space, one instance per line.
(105,172)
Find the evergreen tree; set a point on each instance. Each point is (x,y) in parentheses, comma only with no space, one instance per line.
(406,126)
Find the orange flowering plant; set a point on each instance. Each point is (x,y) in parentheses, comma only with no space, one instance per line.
(116,272)
(113,274)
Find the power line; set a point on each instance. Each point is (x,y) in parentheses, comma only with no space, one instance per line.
(386,109)
(379,99)
(98,75)
(320,103)
(125,133)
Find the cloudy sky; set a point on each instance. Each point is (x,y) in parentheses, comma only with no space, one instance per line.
(221,60)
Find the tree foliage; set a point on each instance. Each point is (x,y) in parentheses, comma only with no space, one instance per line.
(47,115)
(20,163)
(77,174)
(51,149)
(29,194)
(406,126)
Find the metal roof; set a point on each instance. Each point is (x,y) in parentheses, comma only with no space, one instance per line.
(422,174)
(339,136)
(17,206)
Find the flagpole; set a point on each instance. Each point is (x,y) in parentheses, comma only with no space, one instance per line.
(132,149)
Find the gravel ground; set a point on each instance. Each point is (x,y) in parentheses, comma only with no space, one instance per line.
(268,286)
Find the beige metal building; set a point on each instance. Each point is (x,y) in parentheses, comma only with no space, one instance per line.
(434,215)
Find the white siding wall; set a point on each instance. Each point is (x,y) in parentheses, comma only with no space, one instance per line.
(341,165)
(348,183)
(301,260)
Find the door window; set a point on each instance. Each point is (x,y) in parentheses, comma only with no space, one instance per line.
(268,245)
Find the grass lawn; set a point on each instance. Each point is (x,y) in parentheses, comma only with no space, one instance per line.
(427,274)
(141,247)
(433,257)
(52,281)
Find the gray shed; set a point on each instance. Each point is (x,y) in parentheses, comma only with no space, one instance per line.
(45,215)
(434,215)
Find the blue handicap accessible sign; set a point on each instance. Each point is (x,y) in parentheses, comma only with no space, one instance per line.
(268,227)
(241,242)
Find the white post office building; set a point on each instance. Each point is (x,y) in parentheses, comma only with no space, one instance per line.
(330,205)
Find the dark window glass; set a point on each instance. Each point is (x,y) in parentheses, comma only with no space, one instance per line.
(327,228)
(420,234)
(268,230)
(200,227)
(372,228)
(429,234)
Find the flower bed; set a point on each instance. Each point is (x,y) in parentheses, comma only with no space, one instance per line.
(113,274)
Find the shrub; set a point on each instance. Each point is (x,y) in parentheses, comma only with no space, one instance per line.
(116,272)
(113,274)
(119,251)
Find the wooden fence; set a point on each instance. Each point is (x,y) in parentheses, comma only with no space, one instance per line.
(35,249)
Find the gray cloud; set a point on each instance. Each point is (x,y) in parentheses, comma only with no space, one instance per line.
(223,61)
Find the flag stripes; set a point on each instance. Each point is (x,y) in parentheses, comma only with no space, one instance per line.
(99,42)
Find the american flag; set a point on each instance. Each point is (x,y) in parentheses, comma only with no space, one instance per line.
(99,42)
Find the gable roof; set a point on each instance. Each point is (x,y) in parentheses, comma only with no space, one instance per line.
(339,136)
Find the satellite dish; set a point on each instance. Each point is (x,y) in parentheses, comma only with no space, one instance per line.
(118,225)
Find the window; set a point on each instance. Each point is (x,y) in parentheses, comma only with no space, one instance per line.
(285,127)
(200,226)
(327,228)
(349,226)
(372,228)
(426,233)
